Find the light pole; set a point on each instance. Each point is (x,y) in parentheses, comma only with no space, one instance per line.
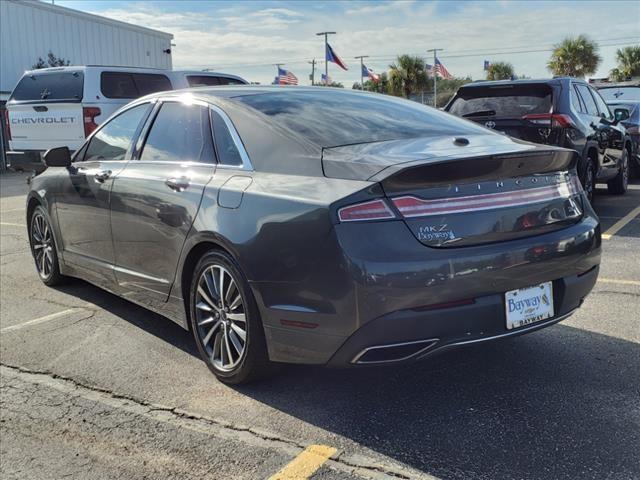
(361,69)
(326,63)
(435,75)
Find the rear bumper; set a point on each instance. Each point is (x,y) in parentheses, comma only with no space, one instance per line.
(409,335)
(379,289)
(26,161)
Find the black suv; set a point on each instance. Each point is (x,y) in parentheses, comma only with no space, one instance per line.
(566,112)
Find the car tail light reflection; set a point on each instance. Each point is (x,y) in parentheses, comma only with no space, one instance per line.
(6,121)
(372,210)
(89,115)
(553,120)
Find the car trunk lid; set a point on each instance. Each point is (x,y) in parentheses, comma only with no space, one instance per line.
(45,110)
(521,111)
(495,189)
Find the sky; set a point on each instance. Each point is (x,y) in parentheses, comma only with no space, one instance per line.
(248,37)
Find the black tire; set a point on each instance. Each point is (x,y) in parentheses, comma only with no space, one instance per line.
(618,186)
(216,325)
(588,179)
(634,163)
(43,248)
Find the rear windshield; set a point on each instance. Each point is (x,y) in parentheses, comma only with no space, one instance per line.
(209,80)
(503,101)
(132,85)
(49,87)
(331,118)
(620,94)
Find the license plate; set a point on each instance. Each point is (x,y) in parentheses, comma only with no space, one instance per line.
(528,305)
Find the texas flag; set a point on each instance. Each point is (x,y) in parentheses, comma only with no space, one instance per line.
(367,72)
(331,56)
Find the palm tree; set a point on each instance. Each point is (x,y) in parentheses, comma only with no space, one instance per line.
(574,57)
(628,63)
(500,71)
(407,75)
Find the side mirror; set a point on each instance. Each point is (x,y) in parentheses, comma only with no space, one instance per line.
(621,114)
(57,157)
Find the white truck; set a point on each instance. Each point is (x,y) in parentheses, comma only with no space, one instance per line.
(61,106)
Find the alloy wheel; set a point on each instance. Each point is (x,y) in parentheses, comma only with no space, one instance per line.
(589,182)
(221,320)
(42,244)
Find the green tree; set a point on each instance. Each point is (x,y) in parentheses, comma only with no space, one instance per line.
(574,57)
(500,71)
(407,76)
(628,59)
(51,61)
(332,84)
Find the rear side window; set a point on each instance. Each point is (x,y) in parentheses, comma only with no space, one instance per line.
(230,81)
(576,102)
(180,133)
(132,85)
(202,81)
(49,87)
(587,99)
(225,146)
(512,101)
(209,81)
(113,140)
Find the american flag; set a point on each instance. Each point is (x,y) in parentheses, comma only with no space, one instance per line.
(326,80)
(285,77)
(439,70)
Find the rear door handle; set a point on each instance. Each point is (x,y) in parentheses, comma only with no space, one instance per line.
(102,175)
(178,183)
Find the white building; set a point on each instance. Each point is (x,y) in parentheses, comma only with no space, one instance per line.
(31,29)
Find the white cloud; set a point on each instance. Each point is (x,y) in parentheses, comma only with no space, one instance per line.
(247,40)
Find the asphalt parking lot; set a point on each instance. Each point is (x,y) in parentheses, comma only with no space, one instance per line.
(95,387)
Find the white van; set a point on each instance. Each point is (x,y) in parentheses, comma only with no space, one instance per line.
(54,107)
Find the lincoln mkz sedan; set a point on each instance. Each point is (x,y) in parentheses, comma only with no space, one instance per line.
(317,225)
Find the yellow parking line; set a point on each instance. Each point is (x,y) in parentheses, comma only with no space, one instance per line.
(305,464)
(13,224)
(620,223)
(620,282)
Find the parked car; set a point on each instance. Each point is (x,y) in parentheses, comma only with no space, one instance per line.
(63,105)
(624,100)
(317,226)
(566,112)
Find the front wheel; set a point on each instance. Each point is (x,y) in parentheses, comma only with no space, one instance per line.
(43,248)
(620,182)
(225,321)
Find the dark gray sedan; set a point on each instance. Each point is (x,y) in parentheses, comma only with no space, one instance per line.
(317,225)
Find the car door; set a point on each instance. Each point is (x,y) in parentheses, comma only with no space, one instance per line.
(602,134)
(82,201)
(612,136)
(156,197)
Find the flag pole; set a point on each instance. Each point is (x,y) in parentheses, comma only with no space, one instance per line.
(326,63)
(361,69)
(435,75)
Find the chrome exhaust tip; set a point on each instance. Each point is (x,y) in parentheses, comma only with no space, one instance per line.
(395,352)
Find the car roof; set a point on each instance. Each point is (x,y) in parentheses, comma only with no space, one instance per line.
(231,91)
(522,81)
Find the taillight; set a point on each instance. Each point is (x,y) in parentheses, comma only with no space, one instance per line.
(89,115)
(552,120)
(372,210)
(410,206)
(6,121)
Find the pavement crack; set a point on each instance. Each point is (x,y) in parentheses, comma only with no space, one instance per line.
(370,467)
